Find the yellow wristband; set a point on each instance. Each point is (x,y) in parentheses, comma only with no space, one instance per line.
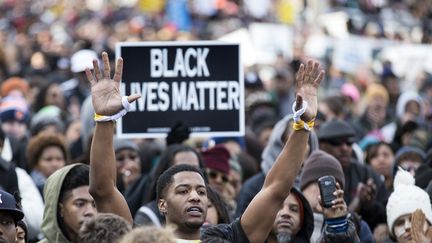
(299,125)
(98,117)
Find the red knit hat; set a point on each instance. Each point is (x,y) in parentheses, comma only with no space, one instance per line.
(217,158)
(14,83)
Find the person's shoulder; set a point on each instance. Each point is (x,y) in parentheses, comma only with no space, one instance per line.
(219,230)
(232,232)
(255,180)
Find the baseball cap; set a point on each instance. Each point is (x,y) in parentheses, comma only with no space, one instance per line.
(8,204)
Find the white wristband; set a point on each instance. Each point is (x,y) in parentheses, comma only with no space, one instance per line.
(299,113)
(126,107)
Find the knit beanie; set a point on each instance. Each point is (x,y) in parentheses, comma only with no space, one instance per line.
(14,83)
(406,198)
(217,158)
(411,153)
(377,90)
(14,108)
(321,164)
(120,144)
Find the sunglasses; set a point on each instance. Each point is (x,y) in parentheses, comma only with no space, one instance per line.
(215,174)
(340,142)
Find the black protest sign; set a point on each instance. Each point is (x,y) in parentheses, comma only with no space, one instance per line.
(197,83)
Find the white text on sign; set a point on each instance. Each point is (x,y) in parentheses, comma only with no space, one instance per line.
(186,96)
(182,63)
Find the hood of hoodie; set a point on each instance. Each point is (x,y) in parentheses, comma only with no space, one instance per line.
(308,226)
(404,98)
(50,225)
(275,143)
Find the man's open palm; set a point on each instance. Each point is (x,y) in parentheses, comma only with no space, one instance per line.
(105,91)
(308,79)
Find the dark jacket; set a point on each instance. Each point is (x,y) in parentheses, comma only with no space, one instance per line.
(348,237)
(375,212)
(136,193)
(149,215)
(248,191)
(8,177)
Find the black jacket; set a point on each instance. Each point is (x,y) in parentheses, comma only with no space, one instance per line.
(375,212)
(8,177)
(248,191)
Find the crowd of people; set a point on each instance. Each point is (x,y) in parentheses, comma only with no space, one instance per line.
(60,181)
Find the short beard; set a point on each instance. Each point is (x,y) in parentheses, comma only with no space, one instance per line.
(193,226)
(284,237)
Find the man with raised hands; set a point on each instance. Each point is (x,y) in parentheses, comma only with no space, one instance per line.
(257,221)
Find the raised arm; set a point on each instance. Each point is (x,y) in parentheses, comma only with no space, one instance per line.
(106,102)
(259,216)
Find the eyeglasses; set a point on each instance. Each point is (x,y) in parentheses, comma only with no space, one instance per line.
(410,165)
(215,174)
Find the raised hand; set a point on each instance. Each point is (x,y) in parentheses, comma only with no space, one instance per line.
(366,192)
(418,222)
(339,207)
(105,91)
(308,79)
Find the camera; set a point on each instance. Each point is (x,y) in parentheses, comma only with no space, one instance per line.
(327,186)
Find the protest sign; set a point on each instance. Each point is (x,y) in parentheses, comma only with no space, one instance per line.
(262,43)
(197,83)
(271,40)
(408,61)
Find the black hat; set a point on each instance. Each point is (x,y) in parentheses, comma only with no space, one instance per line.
(8,204)
(336,129)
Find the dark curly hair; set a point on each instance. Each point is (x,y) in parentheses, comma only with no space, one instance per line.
(43,140)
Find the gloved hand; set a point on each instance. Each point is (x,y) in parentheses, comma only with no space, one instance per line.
(178,134)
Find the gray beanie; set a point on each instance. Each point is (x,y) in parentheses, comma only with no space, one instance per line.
(321,164)
(120,144)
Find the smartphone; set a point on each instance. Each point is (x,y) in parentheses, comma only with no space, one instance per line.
(327,186)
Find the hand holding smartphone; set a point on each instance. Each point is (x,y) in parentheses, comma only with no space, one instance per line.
(327,186)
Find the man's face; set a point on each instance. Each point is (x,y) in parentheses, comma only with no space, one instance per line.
(340,148)
(287,221)
(402,228)
(7,228)
(76,208)
(185,202)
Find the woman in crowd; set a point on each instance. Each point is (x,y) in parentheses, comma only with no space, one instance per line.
(380,157)
(46,153)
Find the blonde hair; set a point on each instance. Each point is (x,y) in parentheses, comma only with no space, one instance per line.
(149,234)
